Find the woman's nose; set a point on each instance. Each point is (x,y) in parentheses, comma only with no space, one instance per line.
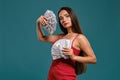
(64,19)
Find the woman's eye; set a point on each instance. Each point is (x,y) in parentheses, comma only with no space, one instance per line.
(61,18)
(67,16)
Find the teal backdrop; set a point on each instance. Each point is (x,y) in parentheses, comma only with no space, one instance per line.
(23,57)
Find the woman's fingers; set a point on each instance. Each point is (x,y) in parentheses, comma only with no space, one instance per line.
(42,20)
(65,50)
(68,52)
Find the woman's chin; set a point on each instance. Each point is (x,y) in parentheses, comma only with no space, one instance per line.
(67,26)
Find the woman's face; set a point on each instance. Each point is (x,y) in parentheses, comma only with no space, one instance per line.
(65,19)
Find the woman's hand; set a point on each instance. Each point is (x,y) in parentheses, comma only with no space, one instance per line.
(68,52)
(42,20)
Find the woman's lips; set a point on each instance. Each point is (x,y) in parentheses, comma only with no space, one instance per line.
(65,24)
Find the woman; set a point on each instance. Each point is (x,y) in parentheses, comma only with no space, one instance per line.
(80,52)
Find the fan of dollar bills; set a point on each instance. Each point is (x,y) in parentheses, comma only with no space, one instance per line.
(51,21)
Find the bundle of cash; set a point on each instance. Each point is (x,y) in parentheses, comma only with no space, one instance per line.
(51,21)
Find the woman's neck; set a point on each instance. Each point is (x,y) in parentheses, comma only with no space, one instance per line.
(69,30)
(70,34)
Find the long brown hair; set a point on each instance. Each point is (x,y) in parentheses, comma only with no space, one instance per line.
(79,67)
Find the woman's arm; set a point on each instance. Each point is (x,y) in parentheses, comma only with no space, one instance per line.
(43,21)
(86,48)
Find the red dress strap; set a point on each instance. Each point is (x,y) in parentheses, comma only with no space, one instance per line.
(75,38)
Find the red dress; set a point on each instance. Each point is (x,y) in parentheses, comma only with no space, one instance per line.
(63,69)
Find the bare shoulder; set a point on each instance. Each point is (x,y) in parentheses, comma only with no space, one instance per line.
(81,36)
(82,39)
(56,36)
(53,38)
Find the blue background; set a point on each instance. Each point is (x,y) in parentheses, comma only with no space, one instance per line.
(23,57)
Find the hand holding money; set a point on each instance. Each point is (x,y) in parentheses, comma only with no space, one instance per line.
(51,21)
